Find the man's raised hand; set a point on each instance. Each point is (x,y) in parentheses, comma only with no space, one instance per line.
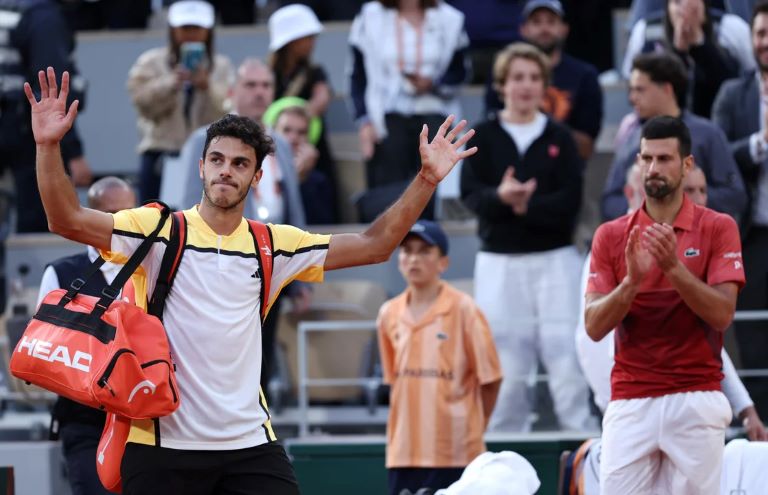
(440,156)
(50,117)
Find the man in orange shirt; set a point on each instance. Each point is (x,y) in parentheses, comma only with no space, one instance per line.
(438,355)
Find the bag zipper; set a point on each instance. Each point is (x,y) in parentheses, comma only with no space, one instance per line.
(110,368)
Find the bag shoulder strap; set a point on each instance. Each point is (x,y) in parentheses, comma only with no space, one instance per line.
(169,265)
(110,292)
(262,238)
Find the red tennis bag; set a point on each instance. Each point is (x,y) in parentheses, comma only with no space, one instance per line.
(101,352)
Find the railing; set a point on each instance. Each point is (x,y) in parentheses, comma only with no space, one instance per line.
(369,384)
(304,382)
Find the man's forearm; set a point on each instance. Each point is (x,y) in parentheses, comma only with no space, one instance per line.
(56,190)
(389,229)
(604,314)
(709,304)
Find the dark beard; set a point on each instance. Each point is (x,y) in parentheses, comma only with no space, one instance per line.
(658,192)
(549,48)
(225,207)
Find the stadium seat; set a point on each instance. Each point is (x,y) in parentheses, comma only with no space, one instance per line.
(334,354)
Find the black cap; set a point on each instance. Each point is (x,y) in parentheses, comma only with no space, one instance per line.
(431,233)
(551,5)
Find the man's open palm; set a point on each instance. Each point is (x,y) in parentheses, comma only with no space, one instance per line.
(50,117)
(440,156)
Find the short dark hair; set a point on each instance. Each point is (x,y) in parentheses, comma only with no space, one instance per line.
(246,130)
(761,7)
(664,127)
(664,68)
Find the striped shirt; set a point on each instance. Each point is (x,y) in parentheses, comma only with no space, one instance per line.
(213,324)
(436,367)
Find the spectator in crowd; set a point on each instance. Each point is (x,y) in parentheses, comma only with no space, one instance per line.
(331,10)
(277,198)
(573,96)
(291,120)
(292,33)
(643,9)
(666,279)
(85,15)
(27,47)
(177,88)
(657,83)
(741,111)
(441,396)
(408,63)
(491,25)
(79,427)
(525,185)
(596,358)
(712,46)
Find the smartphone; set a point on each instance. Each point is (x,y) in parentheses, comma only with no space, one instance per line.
(192,55)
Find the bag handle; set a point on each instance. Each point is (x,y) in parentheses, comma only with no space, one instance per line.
(110,292)
(262,238)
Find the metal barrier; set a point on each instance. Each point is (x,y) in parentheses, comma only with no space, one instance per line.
(304,381)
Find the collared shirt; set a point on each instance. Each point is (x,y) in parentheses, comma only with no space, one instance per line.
(436,366)
(662,346)
(213,324)
(50,280)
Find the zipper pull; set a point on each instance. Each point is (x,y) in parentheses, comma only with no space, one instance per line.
(103,383)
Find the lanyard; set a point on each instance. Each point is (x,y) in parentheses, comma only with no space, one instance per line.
(400,51)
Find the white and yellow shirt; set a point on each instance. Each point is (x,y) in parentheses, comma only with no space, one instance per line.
(212,318)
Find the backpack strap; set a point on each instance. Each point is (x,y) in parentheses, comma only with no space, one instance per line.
(262,238)
(110,292)
(169,265)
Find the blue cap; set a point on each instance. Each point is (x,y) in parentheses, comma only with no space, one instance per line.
(431,233)
(551,5)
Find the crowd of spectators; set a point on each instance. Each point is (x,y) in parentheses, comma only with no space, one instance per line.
(408,61)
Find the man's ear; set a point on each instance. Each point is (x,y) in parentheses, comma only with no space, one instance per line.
(257,178)
(200,167)
(689,163)
(445,261)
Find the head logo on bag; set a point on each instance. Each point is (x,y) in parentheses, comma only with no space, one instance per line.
(147,386)
(41,349)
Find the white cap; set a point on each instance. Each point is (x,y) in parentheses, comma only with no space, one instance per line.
(291,23)
(191,13)
(496,473)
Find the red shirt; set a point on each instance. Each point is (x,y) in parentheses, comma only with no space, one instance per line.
(662,347)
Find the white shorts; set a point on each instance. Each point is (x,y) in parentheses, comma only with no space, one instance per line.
(671,444)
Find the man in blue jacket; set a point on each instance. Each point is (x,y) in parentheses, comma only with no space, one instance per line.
(657,85)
